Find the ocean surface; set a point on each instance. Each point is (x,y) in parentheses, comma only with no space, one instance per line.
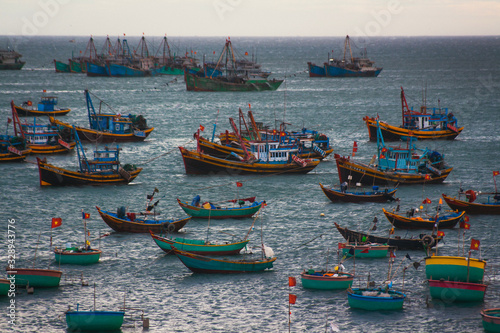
(461,73)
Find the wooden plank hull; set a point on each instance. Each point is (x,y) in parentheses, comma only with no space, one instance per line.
(202,249)
(196,83)
(201,164)
(446,221)
(359,298)
(370,175)
(358,197)
(51,149)
(326,280)
(454,291)
(85,257)
(11,157)
(451,268)
(51,175)
(35,277)
(141,225)
(491,320)
(222,213)
(202,264)
(473,207)
(394,133)
(25,112)
(83,321)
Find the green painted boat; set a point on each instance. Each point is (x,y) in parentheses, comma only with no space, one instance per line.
(209,210)
(451,268)
(61,67)
(198,246)
(197,83)
(83,321)
(375,299)
(456,291)
(4,287)
(491,319)
(171,71)
(35,277)
(371,250)
(77,256)
(330,280)
(76,66)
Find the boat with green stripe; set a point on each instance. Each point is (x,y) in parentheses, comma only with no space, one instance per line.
(451,268)
(216,211)
(36,277)
(457,291)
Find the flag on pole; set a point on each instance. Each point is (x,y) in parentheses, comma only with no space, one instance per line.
(474,244)
(56,222)
(354,148)
(427,201)
(292,282)
(341,245)
(292,298)
(496,173)
(85,215)
(392,254)
(440,233)
(427,177)
(367,250)
(238,184)
(202,128)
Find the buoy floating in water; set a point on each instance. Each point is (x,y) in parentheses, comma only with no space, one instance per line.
(322,214)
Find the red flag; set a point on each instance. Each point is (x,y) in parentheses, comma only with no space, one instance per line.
(246,53)
(341,246)
(292,298)
(354,148)
(440,233)
(382,156)
(474,244)
(384,150)
(465,225)
(466,218)
(202,128)
(9,120)
(367,250)
(56,222)
(496,173)
(85,215)
(426,201)
(427,177)
(291,281)
(392,254)
(238,184)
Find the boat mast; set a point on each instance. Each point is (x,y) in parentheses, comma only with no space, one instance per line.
(347,43)
(404,106)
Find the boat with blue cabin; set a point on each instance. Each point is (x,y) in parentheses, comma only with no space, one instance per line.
(47,106)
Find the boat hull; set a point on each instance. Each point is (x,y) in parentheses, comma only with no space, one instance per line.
(365,251)
(38,278)
(116,70)
(472,207)
(51,149)
(77,258)
(82,321)
(358,300)
(316,71)
(394,133)
(196,83)
(370,175)
(202,264)
(12,67)
(357,197)
(61,67)
(11,157)
(327,281)
(203,249)
(334,71)
(24,112)
(455,291)
(491,320)
(454,269)
(51,175)
(141,225)
(4,287)
(444,222)
(171,71)
(222,213)
(94,69)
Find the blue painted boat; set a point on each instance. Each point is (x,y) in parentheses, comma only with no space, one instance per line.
(96,69)
(83,321)
(315,70)
(13,148)
(375,299)
(117,70)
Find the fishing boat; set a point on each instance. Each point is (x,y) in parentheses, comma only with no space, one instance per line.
(491,319)
(13,148)
(61,67)
(11,60)
(457,291)
(4,287)
(365,250)
(198,246)
(348,66)
(124,221)
(210,210)
(414,220)
(45,107)
(358,196)
(43,138)
(375,299)
(202,264)
(326,280)
(422,242)
(450,268)
(85,321)
(400,165)
(36,277)
(489,206)
(433,123)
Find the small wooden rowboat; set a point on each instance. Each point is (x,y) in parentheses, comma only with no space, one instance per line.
(444,221)
(488,207)
(376,195)
(84,321)
(200,247)
(368,250)
(77,256)
(491,319)
(208,210)
(375,299)
(329,280)
(451,268)
(131,223)
(202,264)
(36,277)
(46,107)
(457,291)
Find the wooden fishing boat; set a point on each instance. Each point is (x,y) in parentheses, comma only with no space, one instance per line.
(450,268)
(36,277)
(84,321)
(491,319)
(11,60)
(490,206)
(46,107)
(424,221)
(326,280)
(131,222)
(199,246)
(375,299)
(61,67)
(209,210)
(421,243)
(4,287)
(365,250)
(202,264)
(375,195)
(104,169)
(109,127)
(457,291)
(400,165)
(427,123)
(77,256)
(13,148)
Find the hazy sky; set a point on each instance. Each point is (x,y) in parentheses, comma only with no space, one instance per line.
(250,17)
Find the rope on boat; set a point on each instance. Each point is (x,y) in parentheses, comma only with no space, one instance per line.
(163,154)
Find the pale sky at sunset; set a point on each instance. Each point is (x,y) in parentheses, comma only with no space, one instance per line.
(250,17)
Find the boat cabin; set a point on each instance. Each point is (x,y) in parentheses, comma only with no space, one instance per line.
(47,103)
(39,134)
(439,119)
(272,152)
(111,123)
(104,161)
